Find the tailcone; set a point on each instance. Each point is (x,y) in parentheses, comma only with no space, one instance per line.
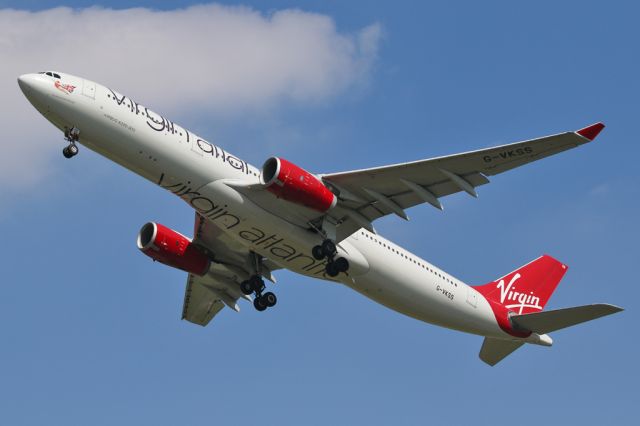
(540,339)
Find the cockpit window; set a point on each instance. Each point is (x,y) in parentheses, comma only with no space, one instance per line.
(50,74)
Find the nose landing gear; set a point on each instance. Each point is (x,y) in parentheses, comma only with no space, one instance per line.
(70,151)
(72,136)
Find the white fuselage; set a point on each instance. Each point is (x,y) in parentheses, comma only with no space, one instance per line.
(196,170)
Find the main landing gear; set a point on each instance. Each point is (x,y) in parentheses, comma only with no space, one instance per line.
(327,250)
(255,285)
(72,136)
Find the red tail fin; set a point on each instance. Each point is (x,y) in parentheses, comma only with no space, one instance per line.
(528,288)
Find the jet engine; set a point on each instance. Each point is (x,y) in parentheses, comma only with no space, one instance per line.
(294,184)
(172,248)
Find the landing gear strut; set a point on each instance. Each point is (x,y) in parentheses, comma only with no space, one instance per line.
(327,250)
(255,284)
(72,136)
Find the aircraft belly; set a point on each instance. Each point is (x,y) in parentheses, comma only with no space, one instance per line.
(284,243)
(411,290)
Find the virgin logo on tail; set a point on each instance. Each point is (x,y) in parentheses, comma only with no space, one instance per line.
(509,294)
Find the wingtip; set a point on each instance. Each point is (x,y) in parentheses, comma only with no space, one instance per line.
(613,308)
(590,132)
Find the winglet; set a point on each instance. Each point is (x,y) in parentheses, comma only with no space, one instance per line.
(590,132)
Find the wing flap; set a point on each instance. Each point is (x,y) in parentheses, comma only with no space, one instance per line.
(200,305)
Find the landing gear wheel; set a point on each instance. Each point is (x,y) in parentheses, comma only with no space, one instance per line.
(331,269)
(341,264)
(328,248)
(270,299)
(246,287)
(70,151)
(257,283)
(260,304)
(72,136)
(317,252)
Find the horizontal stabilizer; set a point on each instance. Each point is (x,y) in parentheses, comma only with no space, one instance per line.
(495,350)
(547,321)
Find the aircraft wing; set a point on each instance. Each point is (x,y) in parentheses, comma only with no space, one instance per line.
(376,192)
(206,296)
(201,301)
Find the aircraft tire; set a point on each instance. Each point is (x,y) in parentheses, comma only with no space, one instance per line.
(259,304)
(270,299)
(342,264)
(317,252)
(332,270)
(257,284)
(328,248)
(246,287)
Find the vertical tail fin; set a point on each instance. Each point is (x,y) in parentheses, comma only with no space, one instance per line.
(528,288)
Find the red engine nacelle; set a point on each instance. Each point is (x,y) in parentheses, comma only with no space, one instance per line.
(288,181)
(172,248)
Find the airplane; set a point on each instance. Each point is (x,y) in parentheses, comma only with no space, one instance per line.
(250,222)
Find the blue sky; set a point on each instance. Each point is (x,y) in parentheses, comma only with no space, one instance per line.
(90,330)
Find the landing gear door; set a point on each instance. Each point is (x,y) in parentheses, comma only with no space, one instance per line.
(89,89)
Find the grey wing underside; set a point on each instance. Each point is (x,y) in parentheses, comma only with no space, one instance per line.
(200,303)
(380,191)
(206,296)
(368,194)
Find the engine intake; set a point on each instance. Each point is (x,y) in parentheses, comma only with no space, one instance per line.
(294,184)
(172,248)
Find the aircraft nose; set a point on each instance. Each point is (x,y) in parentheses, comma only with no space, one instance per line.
(35,89)
(24,81)
(27,83)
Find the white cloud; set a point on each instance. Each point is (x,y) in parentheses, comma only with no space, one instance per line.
(220,58)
